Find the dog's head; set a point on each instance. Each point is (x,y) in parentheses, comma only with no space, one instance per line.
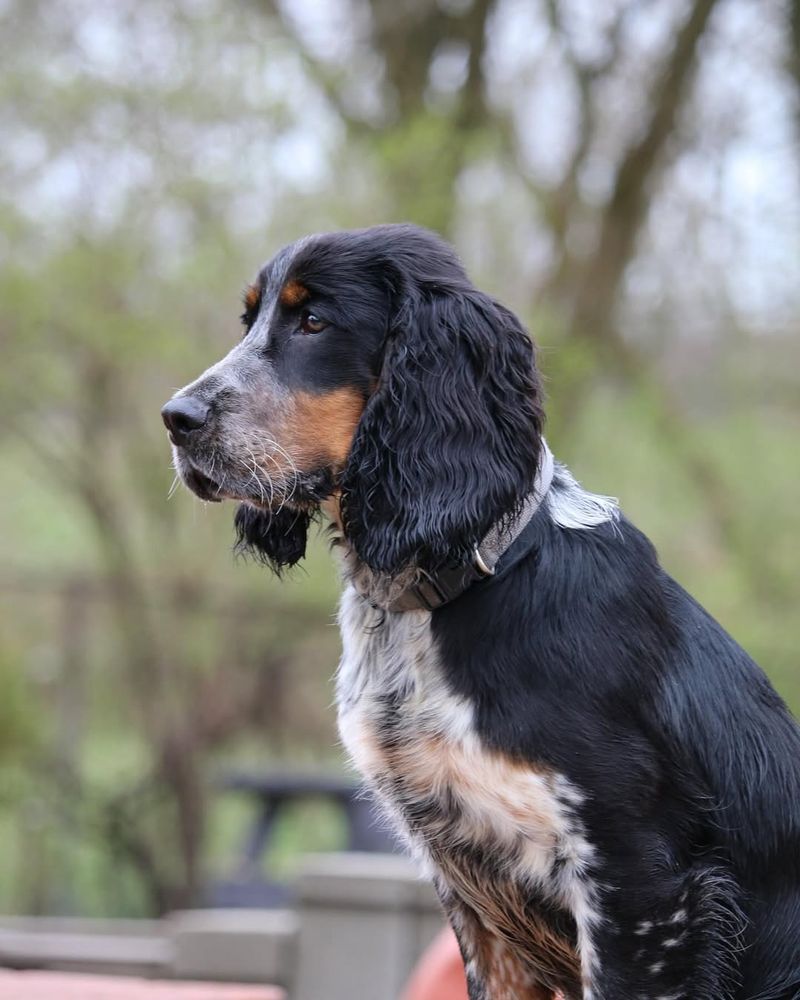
(371,370)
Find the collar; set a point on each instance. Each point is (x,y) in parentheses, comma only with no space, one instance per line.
(435,590)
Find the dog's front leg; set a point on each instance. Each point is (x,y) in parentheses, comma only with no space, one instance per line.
(493,970)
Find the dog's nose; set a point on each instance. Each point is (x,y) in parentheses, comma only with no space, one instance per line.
(184,415)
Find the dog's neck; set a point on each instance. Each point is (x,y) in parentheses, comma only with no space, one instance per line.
(380,589)
(413,589)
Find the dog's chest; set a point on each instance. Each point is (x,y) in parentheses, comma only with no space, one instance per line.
(415,742)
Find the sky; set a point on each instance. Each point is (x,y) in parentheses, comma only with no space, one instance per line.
(726,220)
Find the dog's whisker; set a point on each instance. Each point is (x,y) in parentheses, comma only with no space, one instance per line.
(255,478)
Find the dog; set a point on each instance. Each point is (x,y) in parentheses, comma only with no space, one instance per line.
(604,787)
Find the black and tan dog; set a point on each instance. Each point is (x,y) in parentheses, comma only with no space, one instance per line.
(604,786)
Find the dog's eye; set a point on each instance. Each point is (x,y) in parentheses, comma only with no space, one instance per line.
(311,323)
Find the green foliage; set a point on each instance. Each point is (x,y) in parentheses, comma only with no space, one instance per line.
(156,155)
(418,160)
(19,714)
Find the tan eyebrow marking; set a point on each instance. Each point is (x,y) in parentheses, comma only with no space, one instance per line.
(293,293)
(252,296)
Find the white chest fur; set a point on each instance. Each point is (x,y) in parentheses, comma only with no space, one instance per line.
(389,659)
(414,740)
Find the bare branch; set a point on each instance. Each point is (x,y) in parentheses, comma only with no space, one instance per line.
(794,57)
(326,79)
(586,77)
(626,210)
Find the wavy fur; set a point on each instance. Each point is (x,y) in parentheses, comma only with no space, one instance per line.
(275,538)
(436,458)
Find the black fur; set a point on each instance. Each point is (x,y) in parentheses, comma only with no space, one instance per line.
(276,538)
(584,655)
(580,658)
(436,458)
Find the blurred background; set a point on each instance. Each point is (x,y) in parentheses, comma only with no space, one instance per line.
(624,174)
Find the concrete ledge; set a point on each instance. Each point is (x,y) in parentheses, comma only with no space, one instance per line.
(365,881)
(87,946)
(361,923)
(239,945)
(232,945)
(83,925)
(364,921)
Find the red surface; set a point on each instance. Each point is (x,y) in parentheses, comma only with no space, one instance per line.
(439,974)
(64,986)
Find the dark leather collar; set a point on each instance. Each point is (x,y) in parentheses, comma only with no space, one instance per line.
(435,590)
(432,592)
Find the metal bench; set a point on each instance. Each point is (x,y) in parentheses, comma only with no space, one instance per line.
(274,792)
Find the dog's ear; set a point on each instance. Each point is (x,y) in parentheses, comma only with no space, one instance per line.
(276,538)
(449,442)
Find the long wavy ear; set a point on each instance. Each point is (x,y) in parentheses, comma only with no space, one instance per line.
(277,538)
(449,442)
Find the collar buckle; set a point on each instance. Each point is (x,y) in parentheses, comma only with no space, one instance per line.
(433,591)
(480,563)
